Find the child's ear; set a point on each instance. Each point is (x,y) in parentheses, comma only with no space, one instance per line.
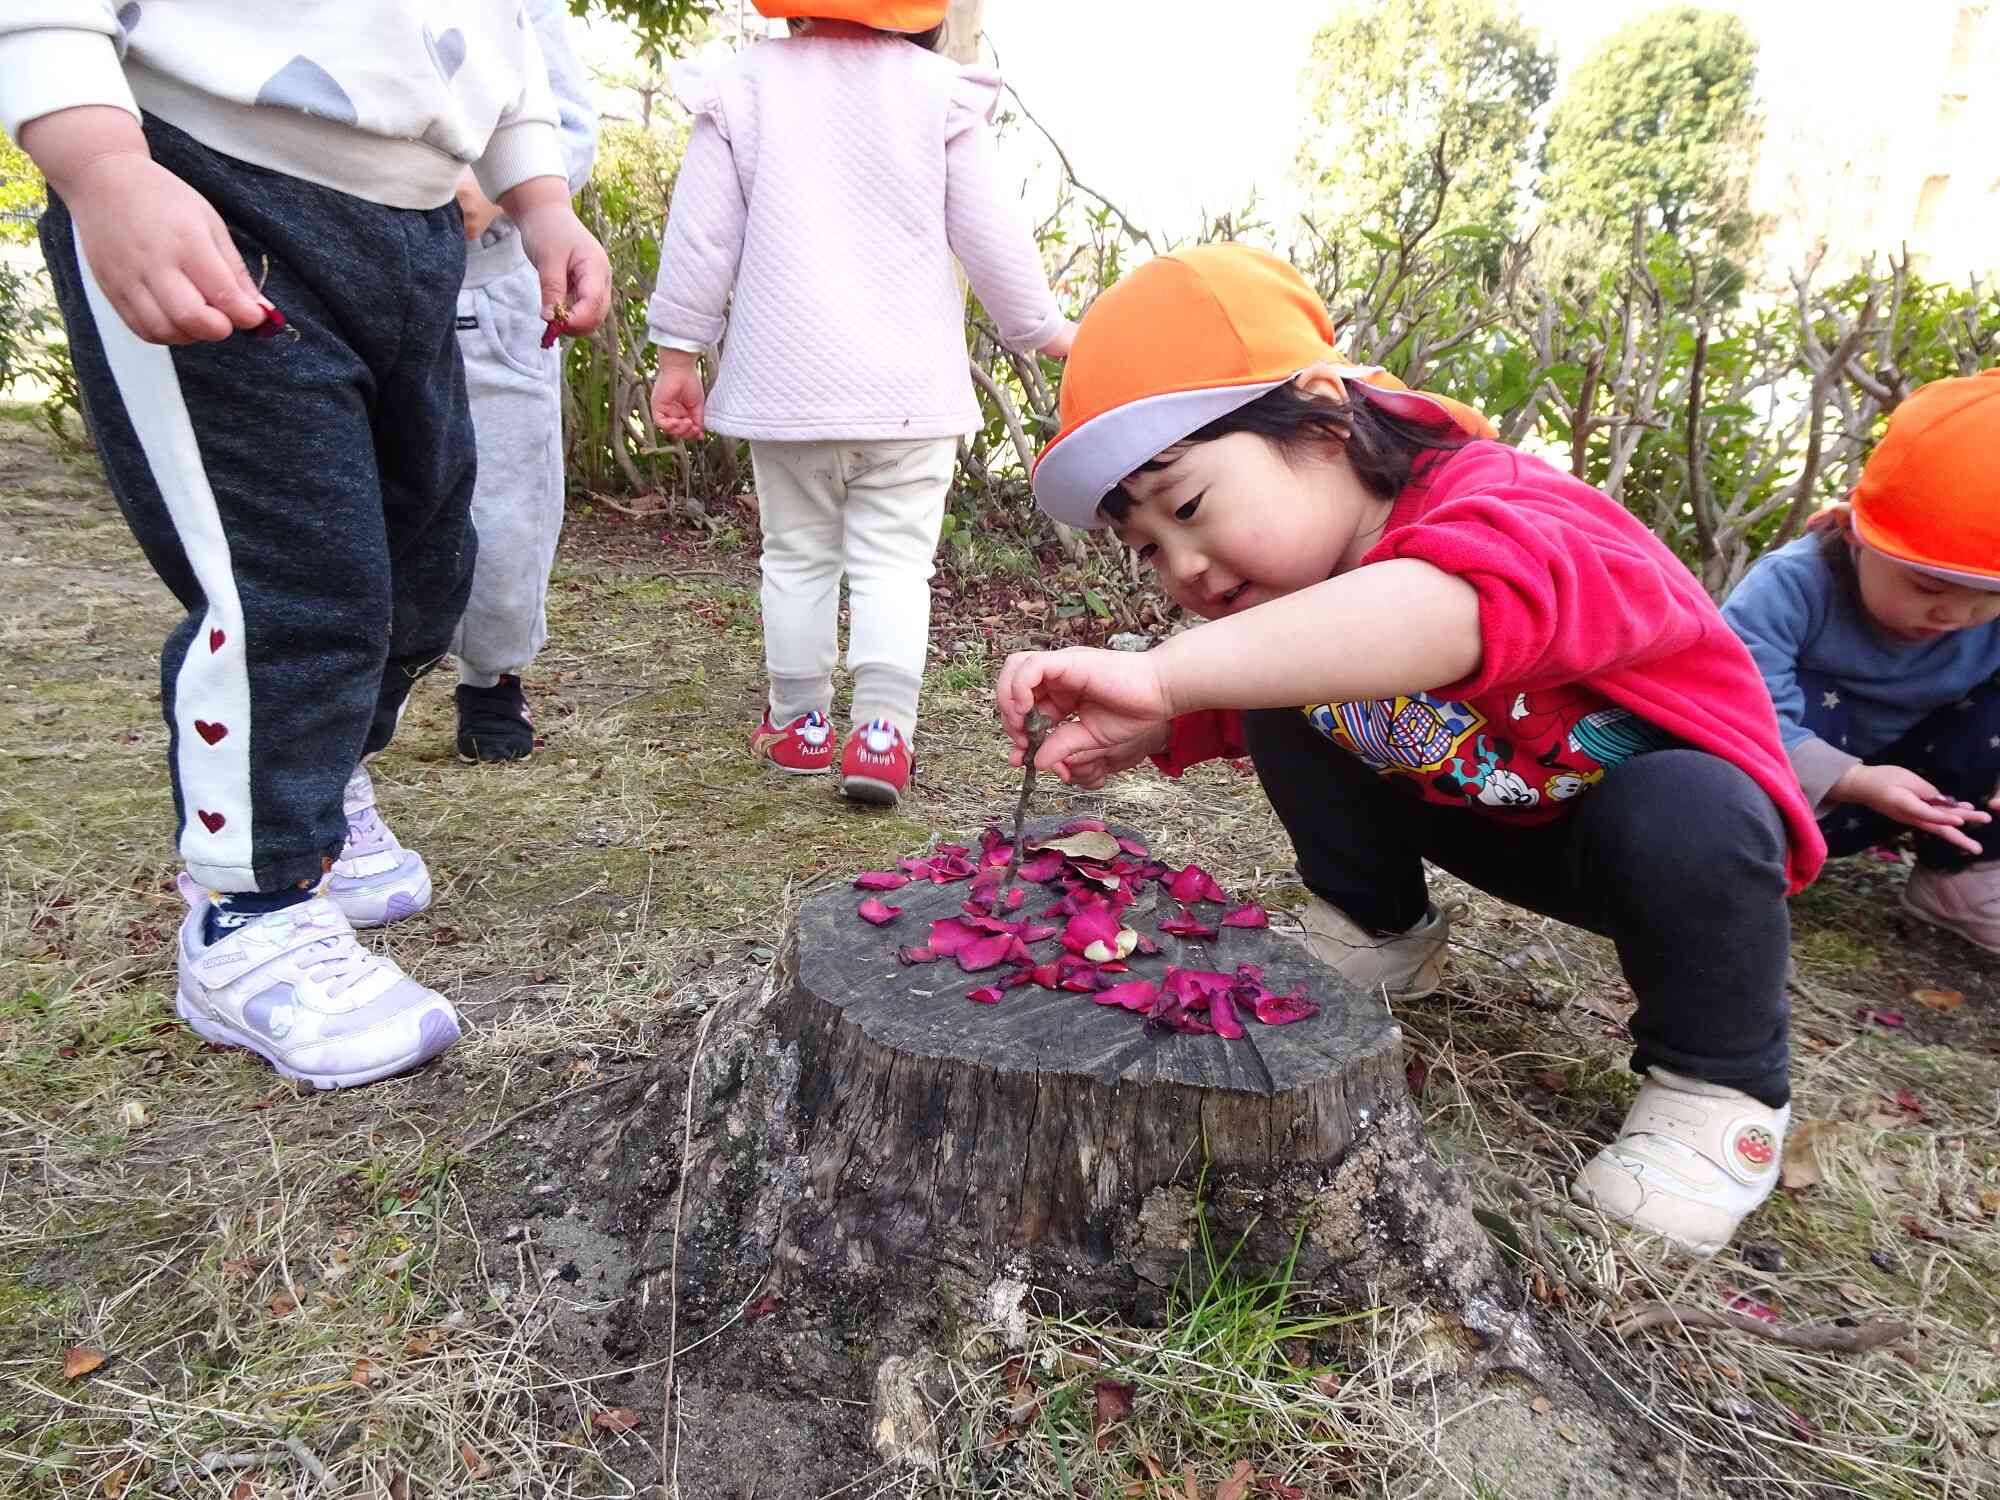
(1321,379)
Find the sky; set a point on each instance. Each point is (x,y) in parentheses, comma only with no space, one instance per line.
(1197,102)
(1170,107)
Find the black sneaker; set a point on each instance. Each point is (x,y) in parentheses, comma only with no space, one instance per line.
(493,723)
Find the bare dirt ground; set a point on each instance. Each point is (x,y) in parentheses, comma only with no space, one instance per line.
(214,1284)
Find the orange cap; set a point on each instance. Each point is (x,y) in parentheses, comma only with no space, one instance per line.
(883,15)
(1929,494)
(1183,340)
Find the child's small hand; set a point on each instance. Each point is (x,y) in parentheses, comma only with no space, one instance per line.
(576,274)
(158,250)
(1058,347)
(480,211)
(677,395)
(1090,769)
(1104,705)
(1899,793)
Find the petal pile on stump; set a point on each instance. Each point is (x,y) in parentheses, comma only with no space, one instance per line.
(1096,877)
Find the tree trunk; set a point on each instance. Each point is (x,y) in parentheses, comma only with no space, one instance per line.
(961,30)
(858,1128)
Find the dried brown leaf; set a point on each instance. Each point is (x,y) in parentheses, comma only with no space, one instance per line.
(365,1373)
(79,1361)
(617,1419)
(1237,1485)
(1938,999)
(763,1307)
(398,1486)
(244,1489)
(1088,845)
(1113,1400)
(1568,1433)
(474,1464)
(1803,1143)
(237,1265)
(1541,1406)
(282,1304)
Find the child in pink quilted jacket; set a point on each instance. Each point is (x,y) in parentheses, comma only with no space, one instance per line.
(831,178)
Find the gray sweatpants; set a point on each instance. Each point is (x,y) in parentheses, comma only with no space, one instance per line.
(515,387)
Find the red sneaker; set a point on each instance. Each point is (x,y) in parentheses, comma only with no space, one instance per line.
(803,747)
(875,767)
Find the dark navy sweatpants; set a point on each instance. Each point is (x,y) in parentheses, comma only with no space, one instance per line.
(1676,855)
(305,498)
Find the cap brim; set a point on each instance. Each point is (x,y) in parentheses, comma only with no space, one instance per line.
(1885,547)
(1084,465)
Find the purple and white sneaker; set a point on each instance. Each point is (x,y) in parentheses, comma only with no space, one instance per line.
(376,880)
(295,987)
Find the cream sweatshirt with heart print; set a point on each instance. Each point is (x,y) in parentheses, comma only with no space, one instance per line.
(389,100)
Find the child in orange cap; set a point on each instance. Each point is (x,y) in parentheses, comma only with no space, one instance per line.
(830,180)
(1436,647)
(1880,641)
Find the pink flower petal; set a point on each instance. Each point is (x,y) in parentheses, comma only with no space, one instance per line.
(880,880)
(1036,932)
(1147,947)
(1134,847)
(1193,884)
(915,956)
(1041,867)
(988,951)
(1181,924)
(957,851)
(1222,1011)
(1083,825)
(1097,924)
(1282,1010)
(872,910)
(986,994)
(1048,975)
(1249,914)
(1137,994)
(949,934)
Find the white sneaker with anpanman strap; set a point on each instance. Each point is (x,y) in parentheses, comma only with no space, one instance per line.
(1691,1162)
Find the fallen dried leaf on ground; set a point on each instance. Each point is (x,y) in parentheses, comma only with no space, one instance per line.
(1237,1485)
(1802,1145)
(1938,999)
(79,1361)
(1113,1405)
(617,1419)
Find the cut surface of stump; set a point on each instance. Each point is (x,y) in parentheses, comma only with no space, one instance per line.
(1044,1119)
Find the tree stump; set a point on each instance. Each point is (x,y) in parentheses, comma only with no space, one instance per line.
(857,1124)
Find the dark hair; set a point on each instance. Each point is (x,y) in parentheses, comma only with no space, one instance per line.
(1382,447)
(928,40)
(1836,551)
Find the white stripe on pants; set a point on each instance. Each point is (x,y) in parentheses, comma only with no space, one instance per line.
(871,511)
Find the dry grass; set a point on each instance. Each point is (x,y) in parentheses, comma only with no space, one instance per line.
(297,1284)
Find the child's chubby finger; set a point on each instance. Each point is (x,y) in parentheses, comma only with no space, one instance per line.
(1066,741)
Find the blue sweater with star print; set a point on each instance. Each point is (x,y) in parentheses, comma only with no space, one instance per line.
(1795,612)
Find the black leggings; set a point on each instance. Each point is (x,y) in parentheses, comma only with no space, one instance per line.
(1677,856)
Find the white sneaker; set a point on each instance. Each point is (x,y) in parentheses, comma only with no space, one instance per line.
(297,989)
(1690,1163)
(376,880)
(1407,966)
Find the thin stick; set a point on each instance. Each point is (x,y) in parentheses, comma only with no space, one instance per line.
(522,1113)
(1037,726)
(670,1467)
(1820,1338)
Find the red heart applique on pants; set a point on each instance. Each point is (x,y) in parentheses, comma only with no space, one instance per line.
(211,821)
(210,732)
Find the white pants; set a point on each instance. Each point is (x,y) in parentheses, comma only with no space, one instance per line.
(515,387)
(870,510)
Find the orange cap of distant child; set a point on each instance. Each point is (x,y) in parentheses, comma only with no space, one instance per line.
(1929,494)
(883,15)
(1185,339)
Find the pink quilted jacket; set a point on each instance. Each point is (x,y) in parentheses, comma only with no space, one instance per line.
(829,182)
